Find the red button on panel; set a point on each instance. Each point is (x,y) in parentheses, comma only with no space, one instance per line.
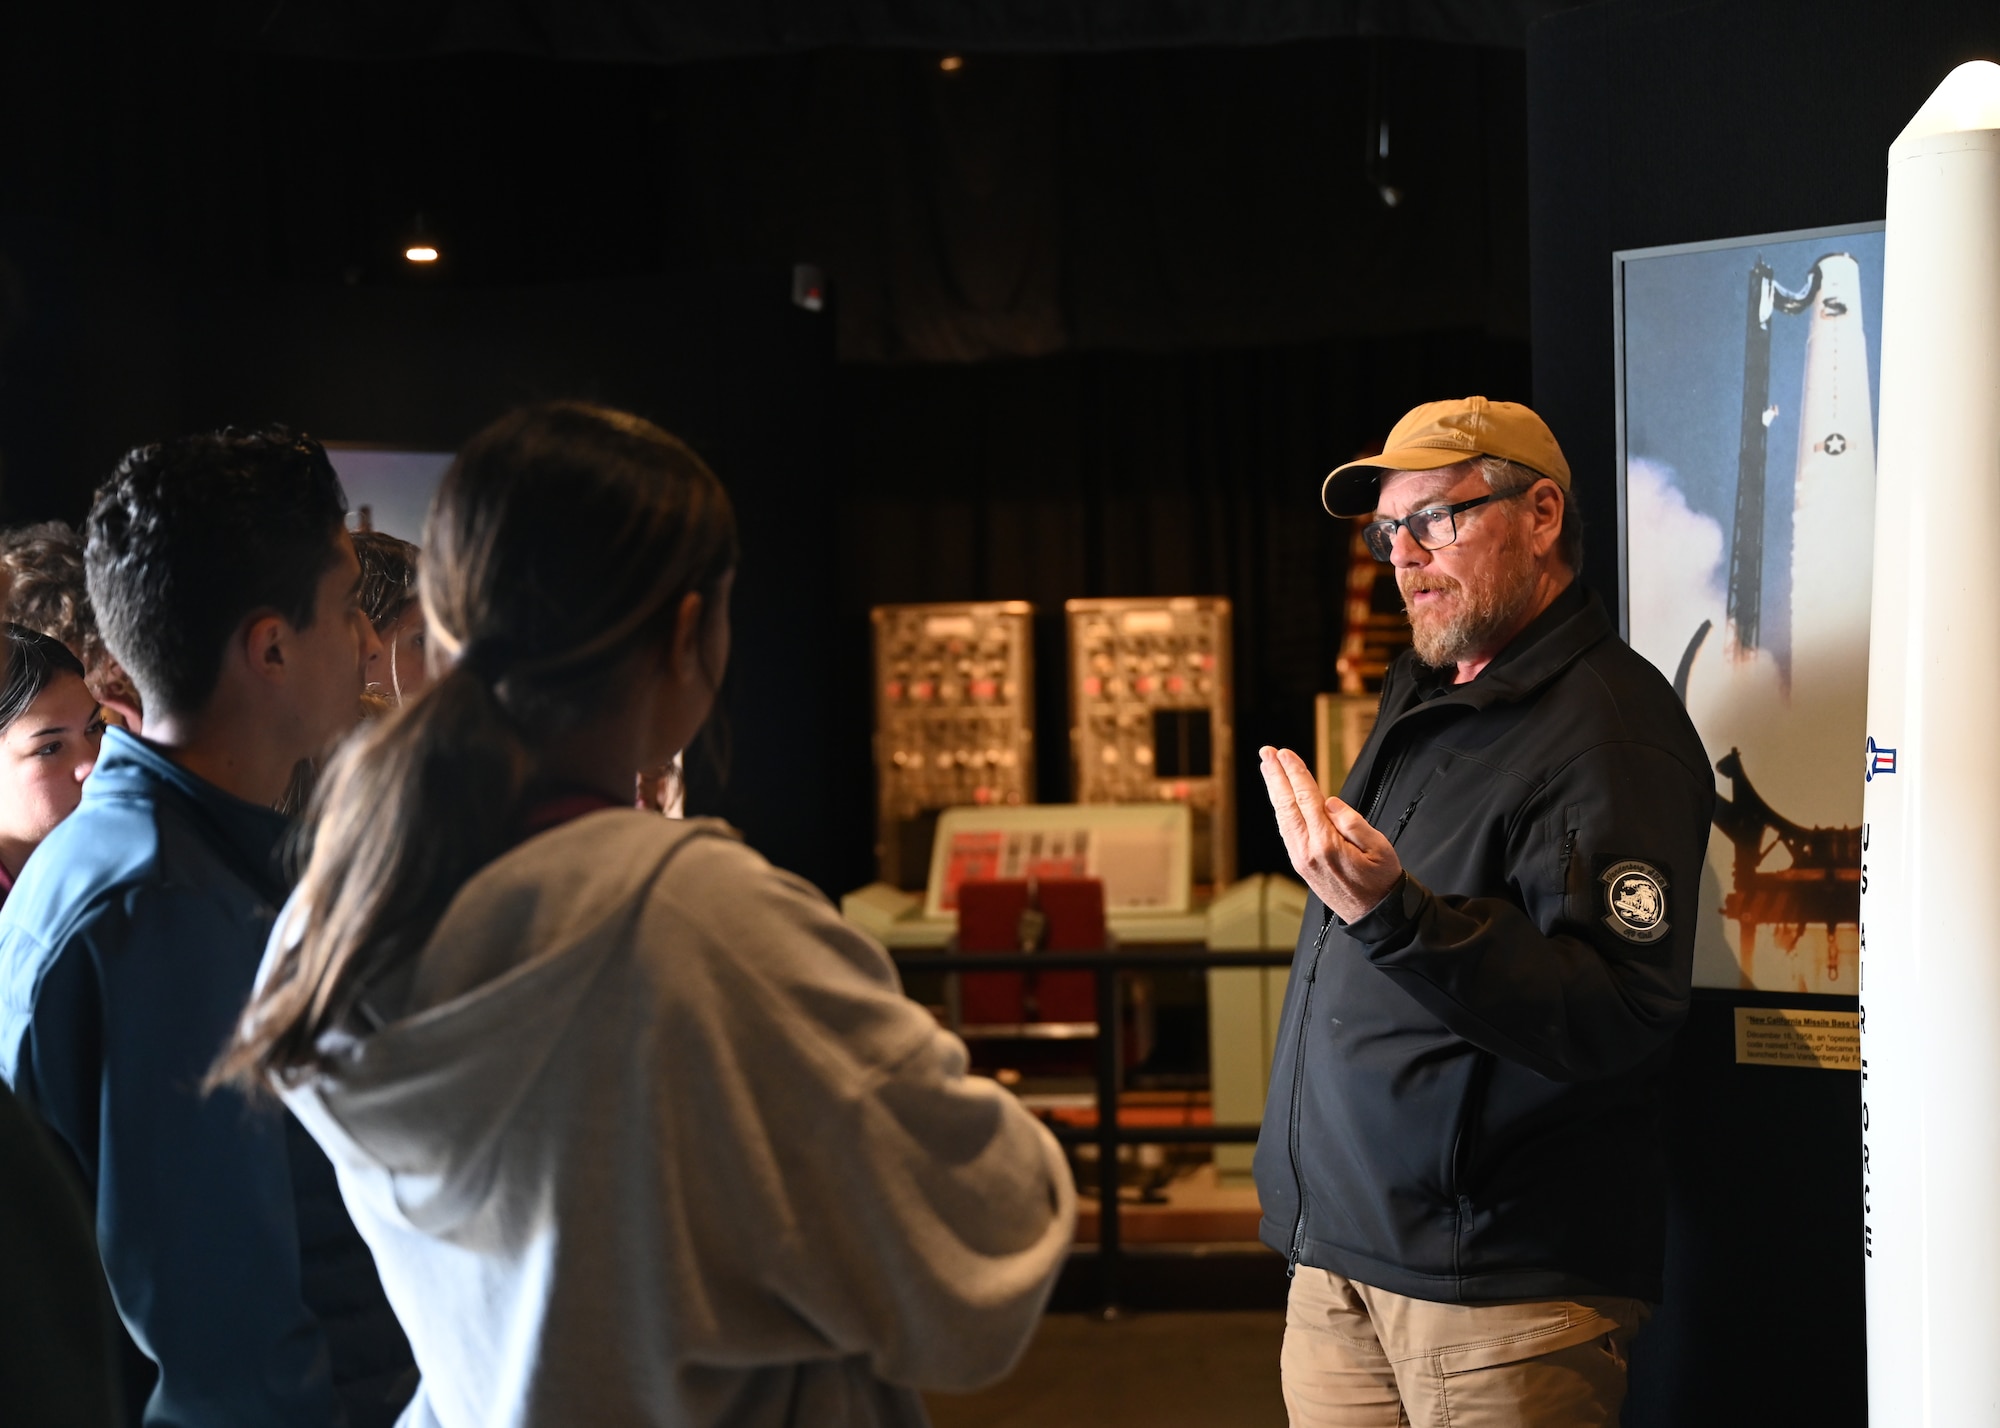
(1092,687)
(893,689)
(922,689)
(1175,684)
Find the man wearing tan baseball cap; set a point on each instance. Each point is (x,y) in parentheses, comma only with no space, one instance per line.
(1460,1157)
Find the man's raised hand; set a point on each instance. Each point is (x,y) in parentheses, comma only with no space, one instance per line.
(1341,856)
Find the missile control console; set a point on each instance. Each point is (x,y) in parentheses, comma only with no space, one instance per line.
(954,722)
(1153,717)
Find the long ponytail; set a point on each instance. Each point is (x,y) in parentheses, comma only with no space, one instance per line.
(563,538)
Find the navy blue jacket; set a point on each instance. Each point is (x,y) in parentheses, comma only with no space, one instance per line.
(1464,1100)
(127,950)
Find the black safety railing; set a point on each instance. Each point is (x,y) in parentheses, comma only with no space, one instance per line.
(1107,966)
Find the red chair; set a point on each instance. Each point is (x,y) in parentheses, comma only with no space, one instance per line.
(1014,915)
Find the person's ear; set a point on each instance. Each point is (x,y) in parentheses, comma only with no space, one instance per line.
(687,649)
(1546,500)
(264,648)
(126,711)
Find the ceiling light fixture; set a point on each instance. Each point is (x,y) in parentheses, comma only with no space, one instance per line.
(420,246)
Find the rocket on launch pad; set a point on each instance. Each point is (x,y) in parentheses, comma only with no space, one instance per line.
(1930,949)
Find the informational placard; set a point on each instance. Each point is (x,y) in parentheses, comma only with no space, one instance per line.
(1139,851)
(1780,1036)
(1747,393)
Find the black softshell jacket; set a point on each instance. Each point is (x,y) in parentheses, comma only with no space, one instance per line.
(1464,1096)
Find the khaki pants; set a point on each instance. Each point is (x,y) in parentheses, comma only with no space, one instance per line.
(1359,1357)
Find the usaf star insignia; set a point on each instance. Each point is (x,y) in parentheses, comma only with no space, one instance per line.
(1635,900)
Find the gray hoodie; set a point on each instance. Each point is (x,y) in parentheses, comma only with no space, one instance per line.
(653,1137)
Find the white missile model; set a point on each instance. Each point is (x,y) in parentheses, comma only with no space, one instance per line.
(1835,479)
(1930,951)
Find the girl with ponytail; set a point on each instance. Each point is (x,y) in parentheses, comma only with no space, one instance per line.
(638,1129)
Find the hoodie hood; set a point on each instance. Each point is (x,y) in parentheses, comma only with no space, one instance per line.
(496,991)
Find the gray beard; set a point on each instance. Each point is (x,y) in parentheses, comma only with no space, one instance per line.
(1485,608)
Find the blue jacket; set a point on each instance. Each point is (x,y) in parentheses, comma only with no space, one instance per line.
(127,949)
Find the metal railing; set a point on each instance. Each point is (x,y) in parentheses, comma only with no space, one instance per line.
(1108,1135)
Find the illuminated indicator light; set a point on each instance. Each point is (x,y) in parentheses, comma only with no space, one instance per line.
(421,253)
(952,64)
(1175,684)
(894,689)
(1093,686)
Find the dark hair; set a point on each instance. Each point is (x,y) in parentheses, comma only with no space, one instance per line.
(191,537)
(47,592)
(388,577)
(562,541)
(44,564)
(33,662)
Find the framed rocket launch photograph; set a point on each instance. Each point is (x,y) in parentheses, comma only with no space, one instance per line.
(1748,373)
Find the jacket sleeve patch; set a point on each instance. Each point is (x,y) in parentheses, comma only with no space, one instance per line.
(1635,900)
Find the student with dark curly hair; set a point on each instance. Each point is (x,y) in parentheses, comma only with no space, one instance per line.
(41,567)
(389,599)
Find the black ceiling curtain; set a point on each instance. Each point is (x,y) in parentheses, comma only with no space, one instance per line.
(1165,200)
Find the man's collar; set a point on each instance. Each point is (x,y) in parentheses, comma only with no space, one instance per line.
(1573,622)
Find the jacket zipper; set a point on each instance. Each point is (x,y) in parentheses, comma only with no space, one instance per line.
(1388,776)
(1298,1092)
(1299,1057)
(1404,821)
(1384,779)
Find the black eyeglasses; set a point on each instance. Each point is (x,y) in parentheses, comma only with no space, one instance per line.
(1433,528)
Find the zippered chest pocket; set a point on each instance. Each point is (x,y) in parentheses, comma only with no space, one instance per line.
(1405,801)
(1570,871)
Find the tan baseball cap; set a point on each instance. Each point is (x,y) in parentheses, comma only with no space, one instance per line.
(1443,434)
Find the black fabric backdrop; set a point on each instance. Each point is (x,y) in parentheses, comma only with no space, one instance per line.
(1165,200)
(1181,260)
(674,31)
(1653,122)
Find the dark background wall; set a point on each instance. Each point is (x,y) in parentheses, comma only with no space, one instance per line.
(1100,319)
(1653,123)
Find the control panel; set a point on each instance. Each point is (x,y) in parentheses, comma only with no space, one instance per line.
(954,721)
(1152,717)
